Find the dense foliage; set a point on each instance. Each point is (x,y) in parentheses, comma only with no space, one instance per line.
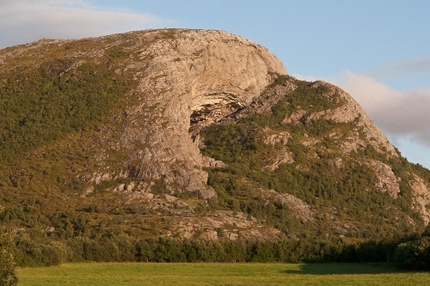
(40,109)
(414,254)
(33,250)
(123,247)
(7,264)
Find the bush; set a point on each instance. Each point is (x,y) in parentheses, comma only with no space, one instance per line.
(413,255)
(7,265)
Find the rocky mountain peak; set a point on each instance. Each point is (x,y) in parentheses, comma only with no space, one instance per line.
(188,79)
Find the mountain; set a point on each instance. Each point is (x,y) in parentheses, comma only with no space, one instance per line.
(189,135)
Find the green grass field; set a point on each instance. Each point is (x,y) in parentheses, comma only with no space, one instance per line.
(218,274)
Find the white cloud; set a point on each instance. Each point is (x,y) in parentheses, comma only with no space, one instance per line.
(398,113)
(401,68)
(23,21)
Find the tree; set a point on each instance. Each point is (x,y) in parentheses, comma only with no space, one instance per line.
(7,265)
(414,254)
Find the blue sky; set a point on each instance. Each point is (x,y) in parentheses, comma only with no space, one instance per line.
(377,50)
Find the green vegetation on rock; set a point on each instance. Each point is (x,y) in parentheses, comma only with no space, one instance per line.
(349,190)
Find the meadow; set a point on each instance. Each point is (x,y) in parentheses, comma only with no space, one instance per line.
(219,274)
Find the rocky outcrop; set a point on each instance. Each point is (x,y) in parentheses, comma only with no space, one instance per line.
(273,138)
(386,179)
(421,198)
(193,78)
(298,207)
(348,111)
(223,224)
(282,155)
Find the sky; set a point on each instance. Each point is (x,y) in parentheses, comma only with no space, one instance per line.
(376,50)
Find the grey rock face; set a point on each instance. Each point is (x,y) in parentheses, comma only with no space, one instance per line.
(387,181)
(421,198)
(349,111)
(193,78)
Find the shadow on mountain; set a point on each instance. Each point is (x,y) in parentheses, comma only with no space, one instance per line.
(343,268)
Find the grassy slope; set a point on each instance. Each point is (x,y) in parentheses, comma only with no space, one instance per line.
(218,274)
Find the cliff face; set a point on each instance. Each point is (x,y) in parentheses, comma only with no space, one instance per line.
(193,78)
(206,131)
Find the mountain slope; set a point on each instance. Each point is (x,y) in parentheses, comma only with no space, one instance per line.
(191,134)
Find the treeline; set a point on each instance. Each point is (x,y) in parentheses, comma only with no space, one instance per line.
(164,249)
(413,255)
